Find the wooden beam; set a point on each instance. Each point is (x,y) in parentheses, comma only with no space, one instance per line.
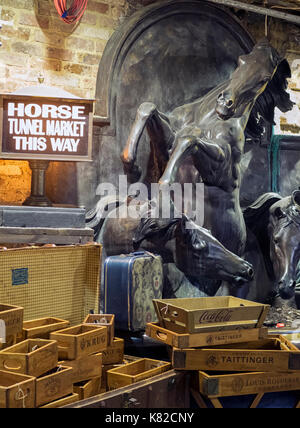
(258,9)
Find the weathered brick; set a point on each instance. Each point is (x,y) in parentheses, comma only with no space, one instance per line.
(77,43)
(13,59)
(34,20)
(27,49)
(57,53)
(76,68)
(15,33)
(95,33)
(50,38)
(19,4)
(91,59)
(98,7)
(7,14)
(88,18)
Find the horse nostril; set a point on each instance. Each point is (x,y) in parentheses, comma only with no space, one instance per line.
(250,273)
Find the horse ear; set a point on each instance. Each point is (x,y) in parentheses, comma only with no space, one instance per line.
(296,198)
(200,245)
(279,213)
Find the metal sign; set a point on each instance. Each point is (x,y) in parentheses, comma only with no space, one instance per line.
(46,128)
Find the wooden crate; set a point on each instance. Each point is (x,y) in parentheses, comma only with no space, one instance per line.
(13,318)
(69,399)
(206,314)
(182,341)
(16,390)
(114,353)
(32,357)
(80,340)
(88,388)
(134,372)
(10,341)
(105,320)
(233,384)
(270,355)
(85,368)
(55,384)
(42,327)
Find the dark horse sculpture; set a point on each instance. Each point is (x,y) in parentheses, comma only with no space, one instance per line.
(204,141)
(275,223)
(193,250)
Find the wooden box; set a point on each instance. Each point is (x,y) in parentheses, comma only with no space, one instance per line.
(16,390)
(13,318)
(275,354)
(85,368)
(232,384)
(69,399)
(182,341)
(80,340)
(114,353)
(105,320)
(134,372)
(10,341)
(32,357)
(88,388)
(42,327)
(55,384)
(206,314)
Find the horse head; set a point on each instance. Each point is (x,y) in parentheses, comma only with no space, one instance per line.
(249,80)
(275,221)
(284,229)
(195,251)
(200,254)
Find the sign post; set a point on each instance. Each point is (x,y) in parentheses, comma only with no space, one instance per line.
(42,129)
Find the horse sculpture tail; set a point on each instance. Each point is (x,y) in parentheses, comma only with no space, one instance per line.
(96,216)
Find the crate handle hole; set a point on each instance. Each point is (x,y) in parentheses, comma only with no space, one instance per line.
(161,336)
(12,365)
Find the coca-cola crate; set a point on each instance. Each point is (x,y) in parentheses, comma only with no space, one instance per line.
(204,314)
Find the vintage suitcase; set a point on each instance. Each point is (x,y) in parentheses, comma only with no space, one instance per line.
(164,391)
(62,281)
(131,282)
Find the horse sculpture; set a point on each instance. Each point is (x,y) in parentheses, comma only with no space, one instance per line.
(178,240)
(275,223)
(204,141)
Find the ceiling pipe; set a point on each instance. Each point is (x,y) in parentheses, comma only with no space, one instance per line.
(258,9)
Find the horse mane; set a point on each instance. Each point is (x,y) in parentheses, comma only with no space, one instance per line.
(256,217)
(165,229)
(151,227)
(275,95)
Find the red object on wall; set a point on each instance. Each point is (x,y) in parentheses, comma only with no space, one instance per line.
(75,11)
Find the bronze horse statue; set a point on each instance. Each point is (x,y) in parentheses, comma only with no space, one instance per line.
(178,240)
(275,223)
(203,141)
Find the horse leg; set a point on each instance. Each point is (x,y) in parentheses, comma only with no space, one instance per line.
(212,155)
(159,130)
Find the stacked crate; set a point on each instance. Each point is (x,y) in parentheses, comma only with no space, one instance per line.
(224,341)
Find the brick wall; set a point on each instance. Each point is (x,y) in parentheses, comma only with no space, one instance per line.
(35,40)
